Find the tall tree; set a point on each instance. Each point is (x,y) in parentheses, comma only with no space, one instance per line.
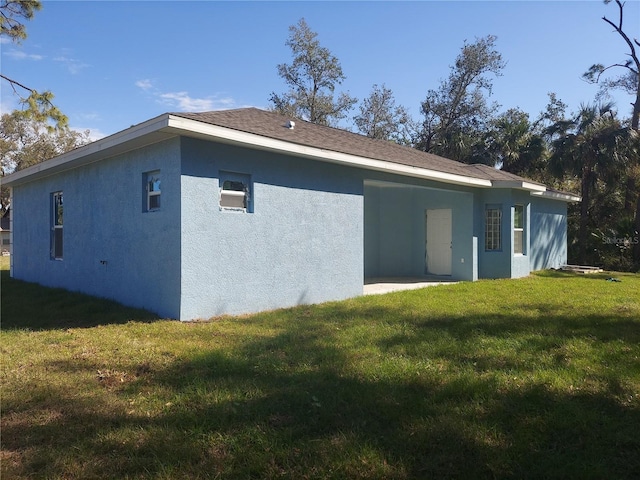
(457,113)
(27,141)
(515,146)
(629,81)
(37,105)
(382,119)
(554,112)
(312,78)
(594,148)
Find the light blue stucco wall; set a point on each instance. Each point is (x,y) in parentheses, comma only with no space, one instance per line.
(545,234)
(548,234)
(497,263)
(395,228)
(315,230)
(301,244)
(112,248)
(503,263)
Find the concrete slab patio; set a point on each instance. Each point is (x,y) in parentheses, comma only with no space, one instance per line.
(377,286)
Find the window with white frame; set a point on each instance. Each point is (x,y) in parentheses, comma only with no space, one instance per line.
(518,229)
(492,228)
(235,192)
(57,220)
(153,190)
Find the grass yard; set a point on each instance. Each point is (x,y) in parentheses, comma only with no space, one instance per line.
(530,378)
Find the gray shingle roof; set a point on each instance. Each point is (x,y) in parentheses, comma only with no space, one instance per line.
(275,126)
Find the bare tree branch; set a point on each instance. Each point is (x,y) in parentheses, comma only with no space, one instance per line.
(15,83)
(618,28)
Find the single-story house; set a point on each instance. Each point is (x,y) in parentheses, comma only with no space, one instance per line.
(193,215)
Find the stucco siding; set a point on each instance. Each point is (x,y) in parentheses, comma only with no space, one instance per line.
(300,244)
(112,248)
(494,263)
(312,230)
(548,234)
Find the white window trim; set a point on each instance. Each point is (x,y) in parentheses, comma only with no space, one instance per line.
(519,229)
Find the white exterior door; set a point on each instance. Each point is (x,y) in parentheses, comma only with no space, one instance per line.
(438,248)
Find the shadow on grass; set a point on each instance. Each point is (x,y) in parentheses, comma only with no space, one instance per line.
(293,405)
(31,306)
(409,394)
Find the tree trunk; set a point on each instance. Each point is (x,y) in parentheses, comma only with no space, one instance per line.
(629,195)
(636,237)
(635,119)
(584,215)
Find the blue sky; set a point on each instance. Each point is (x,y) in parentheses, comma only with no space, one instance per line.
(114,64)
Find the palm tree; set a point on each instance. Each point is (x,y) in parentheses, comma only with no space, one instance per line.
(514,145)
(592,148)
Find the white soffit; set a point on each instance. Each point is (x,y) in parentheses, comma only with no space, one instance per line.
(520,185)
(553,195)
(132,138)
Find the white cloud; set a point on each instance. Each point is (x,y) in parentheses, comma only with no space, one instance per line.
(94,133)
(74,66)
(184,102)
(7,105)
(144,84)
(20,55)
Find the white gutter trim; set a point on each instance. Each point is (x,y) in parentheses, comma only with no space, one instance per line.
(186,126)
(518,184)
(93,148)
(566,197)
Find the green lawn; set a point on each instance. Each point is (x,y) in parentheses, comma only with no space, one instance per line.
(530,378)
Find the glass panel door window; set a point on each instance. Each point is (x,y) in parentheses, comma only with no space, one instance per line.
(492,229)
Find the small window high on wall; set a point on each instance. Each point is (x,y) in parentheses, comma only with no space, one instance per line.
(235,192)
(57,220)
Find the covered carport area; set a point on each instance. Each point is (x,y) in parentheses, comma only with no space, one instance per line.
(417,234)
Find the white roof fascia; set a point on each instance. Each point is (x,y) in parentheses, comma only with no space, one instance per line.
(166,125)
(185,126)
(93,151)
(520,185)
(565,197)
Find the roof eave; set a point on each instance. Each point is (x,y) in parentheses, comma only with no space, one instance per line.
(194,128)
(519,185)
(562,196)
(168,125)
(136,136)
